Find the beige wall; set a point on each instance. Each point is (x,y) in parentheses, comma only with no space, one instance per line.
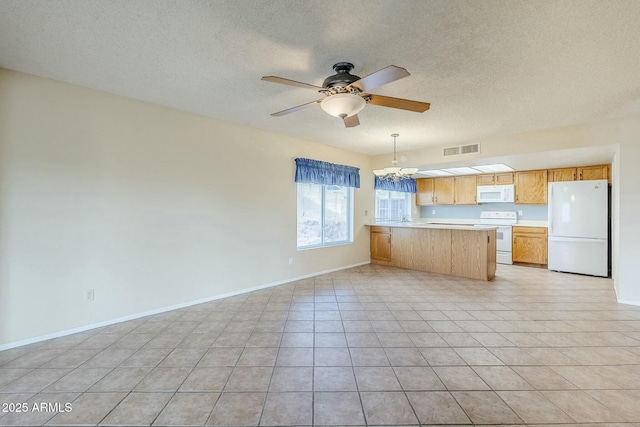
(627,276)
(136,201)
(622,133)
(149,206)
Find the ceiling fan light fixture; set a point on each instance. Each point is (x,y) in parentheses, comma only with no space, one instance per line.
(343,104)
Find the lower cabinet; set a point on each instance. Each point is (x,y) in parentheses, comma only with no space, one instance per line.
(462,253)
(473,255)
(530,245)
(422,249)
(381,243)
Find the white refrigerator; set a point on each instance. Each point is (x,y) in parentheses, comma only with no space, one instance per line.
(579,227)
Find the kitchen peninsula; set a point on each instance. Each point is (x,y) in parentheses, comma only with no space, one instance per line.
(457,250)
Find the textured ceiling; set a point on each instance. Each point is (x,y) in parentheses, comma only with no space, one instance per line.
(487,67)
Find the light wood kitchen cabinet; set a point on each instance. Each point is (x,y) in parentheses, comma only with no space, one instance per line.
(582,173)
(444,190)
(468,252)
(562,174)
(593,172)
(381,243)
(435,191)
(502,178)
(473,255)
(422,249)
(487,179)
(439,249)
(531,187)
(530,244)
(425,195)
(465,190)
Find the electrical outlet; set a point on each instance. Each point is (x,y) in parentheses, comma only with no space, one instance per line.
(290,260)
(433,211)
(520,213)
(90,295)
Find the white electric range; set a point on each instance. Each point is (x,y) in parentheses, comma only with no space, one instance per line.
(504,220)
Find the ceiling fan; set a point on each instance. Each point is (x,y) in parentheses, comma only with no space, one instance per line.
(347,94)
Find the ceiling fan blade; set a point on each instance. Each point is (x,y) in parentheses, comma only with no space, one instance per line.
(381,77)
(399,103)
(351,121)
(274,79)
(297,108)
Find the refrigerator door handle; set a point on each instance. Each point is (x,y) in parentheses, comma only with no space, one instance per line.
(576,239)
(550,205)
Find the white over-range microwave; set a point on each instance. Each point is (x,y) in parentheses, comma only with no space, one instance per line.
(496,193)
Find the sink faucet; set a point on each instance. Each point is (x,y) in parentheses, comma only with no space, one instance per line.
(405,218)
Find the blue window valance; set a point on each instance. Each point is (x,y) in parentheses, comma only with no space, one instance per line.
(317,172)
(404,185)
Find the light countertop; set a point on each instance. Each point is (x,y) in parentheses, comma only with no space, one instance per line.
(462,221)
(433,225)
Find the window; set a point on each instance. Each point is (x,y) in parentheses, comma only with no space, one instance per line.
(325,215)
(392,205)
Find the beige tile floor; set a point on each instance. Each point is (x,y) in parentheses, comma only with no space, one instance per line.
(364,346)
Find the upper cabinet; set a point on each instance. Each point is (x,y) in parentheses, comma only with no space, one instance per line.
(563,174)
(502,178)
(586,173)
(531,187)
(487,179)
(443,191)
(465,192)
(435,191)
(425,196)
(583,173)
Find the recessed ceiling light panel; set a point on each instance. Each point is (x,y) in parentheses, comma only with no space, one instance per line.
(435,172)
(461,171)
(498,167)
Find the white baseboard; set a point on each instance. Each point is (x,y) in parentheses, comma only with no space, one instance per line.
(636,303)
(59,334)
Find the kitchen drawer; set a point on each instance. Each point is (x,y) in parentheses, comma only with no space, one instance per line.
(529,230)
(380,229)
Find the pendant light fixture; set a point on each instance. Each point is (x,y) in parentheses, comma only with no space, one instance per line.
(395,173)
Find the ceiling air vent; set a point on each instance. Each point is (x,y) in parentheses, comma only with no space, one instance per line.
(470,149)
(450,151)
(462,149)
